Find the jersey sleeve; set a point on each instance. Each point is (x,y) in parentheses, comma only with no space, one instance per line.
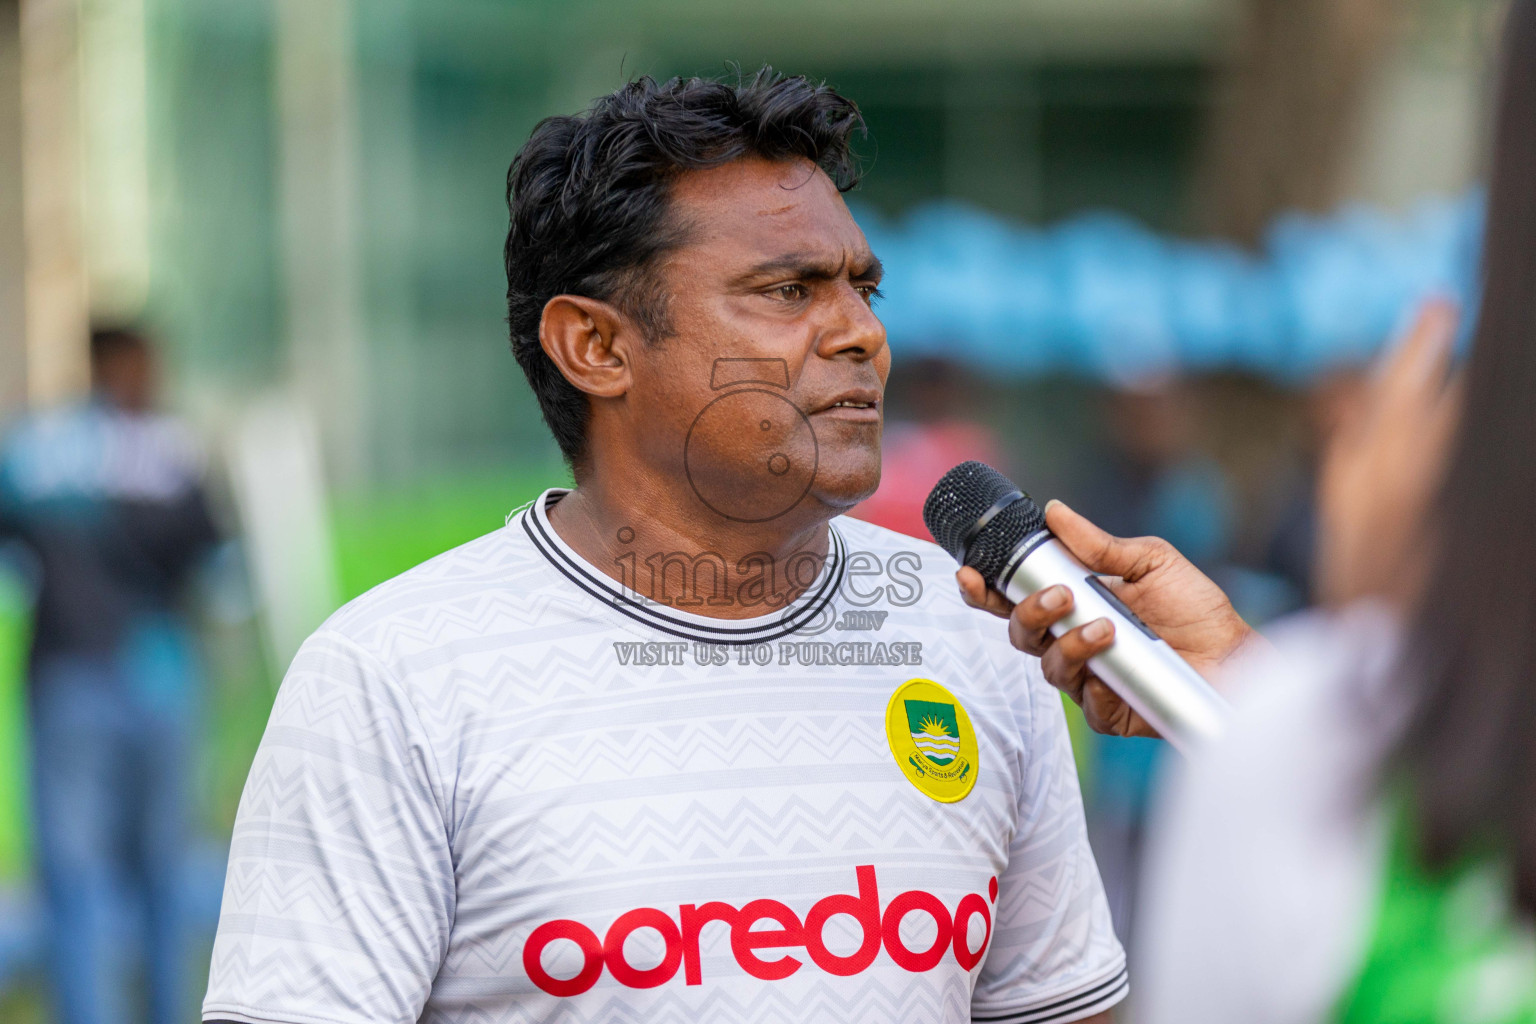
(1053,955)
(340,888)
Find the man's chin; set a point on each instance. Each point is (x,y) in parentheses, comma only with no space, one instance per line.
(841,491)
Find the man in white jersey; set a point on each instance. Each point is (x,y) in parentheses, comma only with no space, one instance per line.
(680,744)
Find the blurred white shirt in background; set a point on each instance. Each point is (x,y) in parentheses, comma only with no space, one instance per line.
(1267,849)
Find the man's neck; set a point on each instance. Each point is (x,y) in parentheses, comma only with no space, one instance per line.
(666,546)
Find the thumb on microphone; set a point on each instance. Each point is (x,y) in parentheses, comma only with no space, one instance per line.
(1103,553)
(1174,598)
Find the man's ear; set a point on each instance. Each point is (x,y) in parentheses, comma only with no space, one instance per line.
(587,339)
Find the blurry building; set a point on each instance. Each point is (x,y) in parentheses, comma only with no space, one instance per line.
(308,194)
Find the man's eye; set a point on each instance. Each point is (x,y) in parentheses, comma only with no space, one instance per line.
(790,292)
(871,293)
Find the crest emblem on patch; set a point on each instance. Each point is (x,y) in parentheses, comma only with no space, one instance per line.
(932,740)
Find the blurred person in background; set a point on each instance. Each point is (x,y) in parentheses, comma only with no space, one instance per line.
(1361,845)
(105,504)
(1181,466)
(1156,480)
(1290,553)
(941,432)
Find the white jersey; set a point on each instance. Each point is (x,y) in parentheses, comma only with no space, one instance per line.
(500,788)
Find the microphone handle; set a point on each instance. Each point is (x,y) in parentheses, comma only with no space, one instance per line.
(1139,666)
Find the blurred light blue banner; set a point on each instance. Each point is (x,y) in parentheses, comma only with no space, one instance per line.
(1101,295)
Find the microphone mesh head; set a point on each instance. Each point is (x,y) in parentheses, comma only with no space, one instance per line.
(960,499)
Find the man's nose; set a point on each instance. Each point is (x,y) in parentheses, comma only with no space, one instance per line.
(851,328)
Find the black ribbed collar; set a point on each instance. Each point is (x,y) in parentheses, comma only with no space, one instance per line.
(534,521)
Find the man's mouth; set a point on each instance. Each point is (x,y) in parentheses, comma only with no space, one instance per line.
(864,401)
(862,406)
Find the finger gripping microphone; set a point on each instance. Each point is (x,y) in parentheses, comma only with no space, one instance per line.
(981,518)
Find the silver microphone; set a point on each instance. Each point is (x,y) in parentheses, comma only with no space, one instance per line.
(981,518)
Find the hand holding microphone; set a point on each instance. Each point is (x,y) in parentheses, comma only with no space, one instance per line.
(1154,592)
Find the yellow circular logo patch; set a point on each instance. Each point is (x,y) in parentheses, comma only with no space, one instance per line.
(931,736)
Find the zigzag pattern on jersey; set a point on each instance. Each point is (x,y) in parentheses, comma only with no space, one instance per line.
(448,596)
(743,830)
(579,685)
(486,618)
(719,744)
(553,690)
(412,638)
(280,811)
(268,979)
(1046,933)
(882,998)
(328,717)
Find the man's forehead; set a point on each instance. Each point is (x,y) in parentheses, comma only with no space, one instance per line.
(756,202)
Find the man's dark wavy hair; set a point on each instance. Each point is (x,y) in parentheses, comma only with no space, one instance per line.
(588,198)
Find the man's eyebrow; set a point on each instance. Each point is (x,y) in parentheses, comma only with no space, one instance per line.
(817,266)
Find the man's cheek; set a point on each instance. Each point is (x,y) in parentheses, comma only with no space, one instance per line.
(751,454)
